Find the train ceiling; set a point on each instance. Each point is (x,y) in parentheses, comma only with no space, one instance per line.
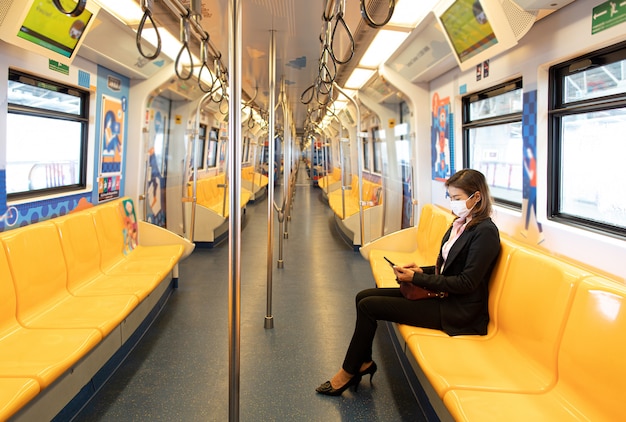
(297,26)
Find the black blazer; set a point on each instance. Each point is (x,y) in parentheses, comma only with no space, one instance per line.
(466,279)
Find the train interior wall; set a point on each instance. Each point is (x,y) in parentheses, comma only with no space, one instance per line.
(555,38)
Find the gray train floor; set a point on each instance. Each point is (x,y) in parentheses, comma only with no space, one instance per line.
(180,369)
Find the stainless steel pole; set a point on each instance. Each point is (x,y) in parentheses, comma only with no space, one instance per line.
(234,224)
(269,319)
(286,166)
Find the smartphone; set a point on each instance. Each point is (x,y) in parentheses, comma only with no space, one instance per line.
(389,261)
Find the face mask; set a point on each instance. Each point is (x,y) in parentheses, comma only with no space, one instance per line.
(459,207)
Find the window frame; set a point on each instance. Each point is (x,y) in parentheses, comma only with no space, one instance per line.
(468,124)
(559,109)
(212,148)
(200,162)
(82,118)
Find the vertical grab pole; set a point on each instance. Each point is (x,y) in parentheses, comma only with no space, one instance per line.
(234,224)
(282,210)
(269,319)
(194,189)
(326,175)
(287,166)
(359,159)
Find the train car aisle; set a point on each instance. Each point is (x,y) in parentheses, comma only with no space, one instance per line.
(179,370)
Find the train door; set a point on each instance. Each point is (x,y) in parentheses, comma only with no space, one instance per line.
(265,150)
(318,162)
(166,134)
(406,166)
(373,185)
(389,151)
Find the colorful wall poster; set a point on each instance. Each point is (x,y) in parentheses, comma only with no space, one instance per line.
(130,225)
(442,138)
(157,129)
(111,133)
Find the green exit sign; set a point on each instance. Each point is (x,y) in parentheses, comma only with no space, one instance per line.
(607,15)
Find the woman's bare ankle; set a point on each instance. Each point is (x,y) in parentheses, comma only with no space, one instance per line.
(340,379)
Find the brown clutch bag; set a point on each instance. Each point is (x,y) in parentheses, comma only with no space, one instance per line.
(413,292)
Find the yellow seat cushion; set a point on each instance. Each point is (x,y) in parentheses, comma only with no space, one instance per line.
(82,254)
(210,195)
(40,354)
(336,202)
(521,355)
(333,177)
(15,393)
(591,374)
(496,406)
(43,300)
(114,261)
(433,224)
(496,285)
(248,173)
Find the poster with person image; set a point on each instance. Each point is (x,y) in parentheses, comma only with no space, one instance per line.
(442,139)
(130,225)
(112,135)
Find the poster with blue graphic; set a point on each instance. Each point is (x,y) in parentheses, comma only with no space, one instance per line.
(111,132)
(442,139)
(157,128)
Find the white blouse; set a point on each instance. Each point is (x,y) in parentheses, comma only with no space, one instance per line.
(458,226)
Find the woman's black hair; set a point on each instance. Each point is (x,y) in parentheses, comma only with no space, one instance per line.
(471,181)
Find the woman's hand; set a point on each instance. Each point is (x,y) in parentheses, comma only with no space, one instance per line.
(404,274)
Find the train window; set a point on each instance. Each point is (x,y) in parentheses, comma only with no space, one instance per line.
(366,152)
(200,147)
(211,158)
(47,127)
(378,137)
(492,139)
(587,123)
(245,150)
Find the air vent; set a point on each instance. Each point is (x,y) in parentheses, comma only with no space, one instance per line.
(4,9)
(283,9)
(520,20)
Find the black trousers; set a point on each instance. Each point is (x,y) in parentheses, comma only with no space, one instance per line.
(385,304)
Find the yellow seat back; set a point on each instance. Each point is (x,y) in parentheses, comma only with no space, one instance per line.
(354,185)
(423,226)
(246,173)
(440,222)
(215,193)
(498,277)
(534,303)
(110,231)
(592,346)
(8,323)
(203,192)
(38,268)
(79,241)
(367,190)
(337,173)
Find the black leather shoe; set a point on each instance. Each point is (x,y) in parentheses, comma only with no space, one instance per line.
(370,370)
(328,390)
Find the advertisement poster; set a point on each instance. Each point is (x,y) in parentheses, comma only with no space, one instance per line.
(442,148)
(111,132)
(130,225)
(157,128)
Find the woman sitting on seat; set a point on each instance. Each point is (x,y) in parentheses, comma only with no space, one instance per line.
(468,254)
